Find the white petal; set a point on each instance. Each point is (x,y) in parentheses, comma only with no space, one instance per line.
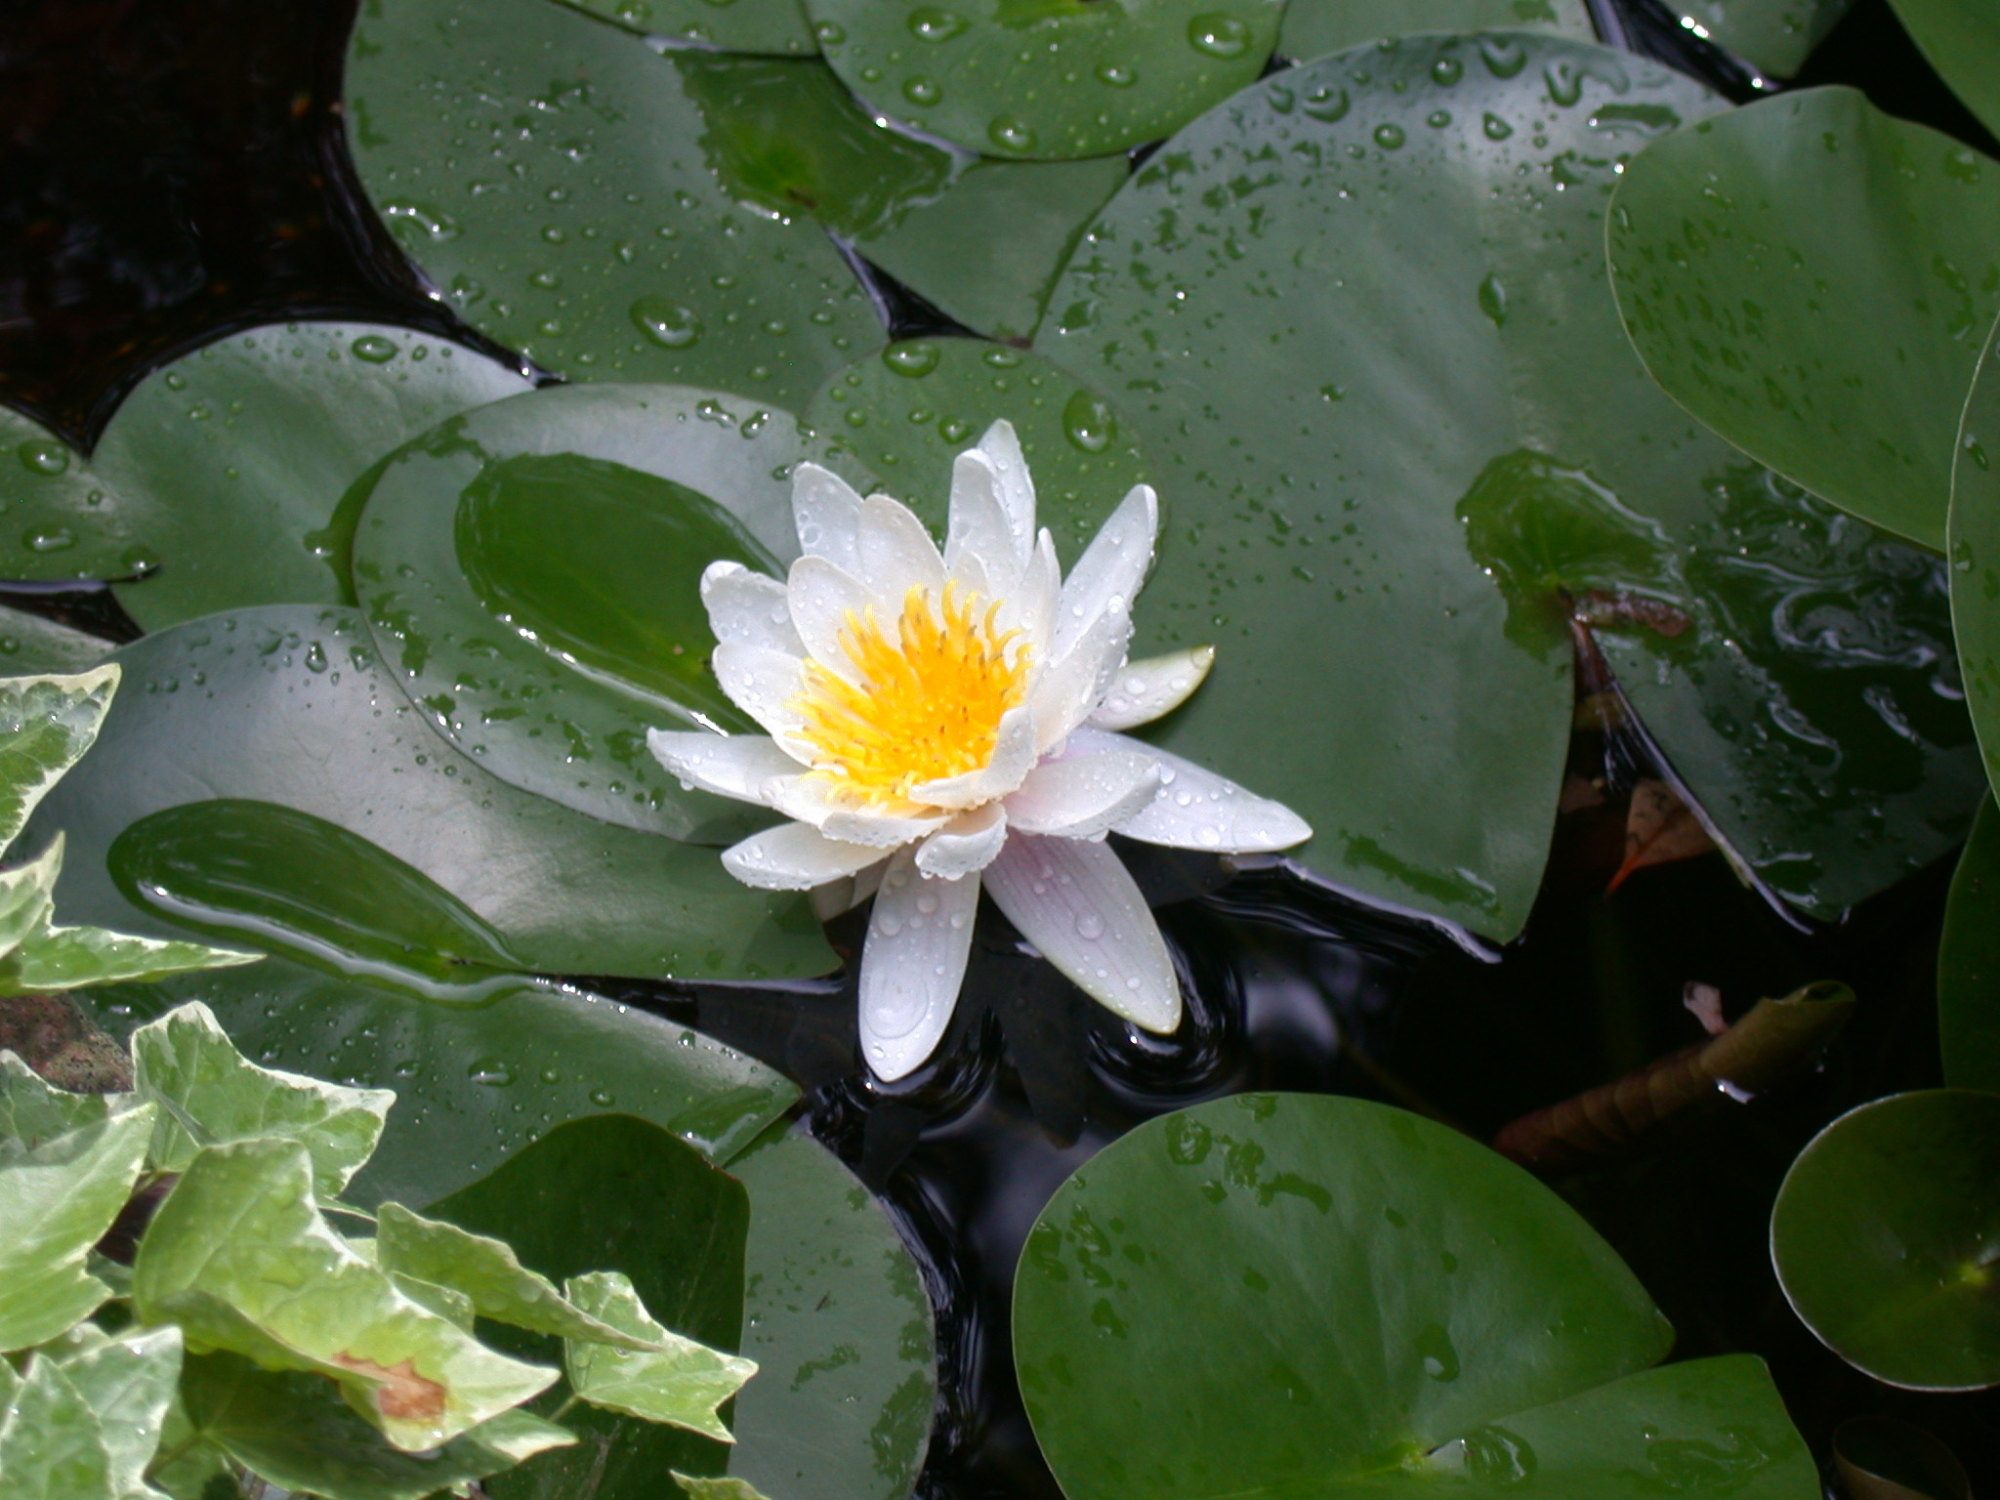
(827,513)
(811,800)
(1070,688)
(1031,607)
(979,526)
(1076,902)
(1081,796)
(763,683)
(1112,568)
(1150,689)
(912,963)
(1197,809)
(731,765)
(748,607)
(1014,752)
(897,553)
(822,597)
(793,857)
(1017,490)
(965,845)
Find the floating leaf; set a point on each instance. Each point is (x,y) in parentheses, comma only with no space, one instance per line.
(1659,829)
(128,1383)
(1881,1458)
(677,1381)
(34,644)
(1291,1295)
(318,726)
(1423,238)
(1974,536)
(1839,356)
(1056,80)
(1776,35)
(1961,39)
(1314,28)
(52,1445)
(1969,962)
(208,1093)
(911,409)
(767,26)
(294,1431)
(1886,1237)
(46,724)
(241,1259)
(56,1201)
(532,575)
(599,241)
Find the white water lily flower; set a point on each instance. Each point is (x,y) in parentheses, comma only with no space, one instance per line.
(943,721)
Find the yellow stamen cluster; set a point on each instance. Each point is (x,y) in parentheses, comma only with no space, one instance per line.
(934,685)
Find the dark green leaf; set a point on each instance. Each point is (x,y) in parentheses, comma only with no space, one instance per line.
(1776,35)
(1969,962)
(1314,28)
(31,643)
(1881,1458)
(772,26)
(1961,39)
(1974,536)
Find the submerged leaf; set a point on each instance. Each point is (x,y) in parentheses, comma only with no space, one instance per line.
(1659,829)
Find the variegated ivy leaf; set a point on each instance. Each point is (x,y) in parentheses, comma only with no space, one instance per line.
(56,1201)
(28,896)
(129,1383)
(210,1093)
(66,958)
(46,723)
(34,1111)
(681,1382)
(52,1445)
(240,1256)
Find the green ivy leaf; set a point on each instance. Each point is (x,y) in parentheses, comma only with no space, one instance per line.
(677,1381)
(46,724)
(240,1257)
(294,1431)
(27,896)
(488,1271)
(717,1489)
(56,1201)
(34,1111)
(129,1383)
(209,1094)
(52,1445)
(67,958)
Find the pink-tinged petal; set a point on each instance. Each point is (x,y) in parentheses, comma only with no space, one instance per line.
(897,554)
(1013,757)
(912,963)
(1077,903)
(1002,447)
(764,683)
(827,512)
(965,845)
(793,857)
(749,608)
(1143,691)
(742,766)
(1107,578)
(1070,688)
(811,799)
(1082,796)
(1197,809)
(822,597)
(979,526)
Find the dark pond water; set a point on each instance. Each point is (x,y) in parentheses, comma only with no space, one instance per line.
(175,170)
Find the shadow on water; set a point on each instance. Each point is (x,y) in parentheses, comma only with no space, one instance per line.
(177,171)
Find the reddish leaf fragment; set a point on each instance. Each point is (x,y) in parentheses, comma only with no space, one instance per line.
(1659,829)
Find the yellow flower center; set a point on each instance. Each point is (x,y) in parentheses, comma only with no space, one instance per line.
(934,684)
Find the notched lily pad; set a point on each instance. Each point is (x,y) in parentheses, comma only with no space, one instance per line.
(1886,1238)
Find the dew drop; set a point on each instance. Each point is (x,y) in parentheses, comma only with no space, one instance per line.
(48,459)
(373,348)
(913,359)
(1218,35)
(1088,423)
(666,323)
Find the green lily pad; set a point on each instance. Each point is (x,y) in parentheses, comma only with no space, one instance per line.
(1961,39)
(840,1326)
(1776,35)
(1886,1238)
(1300,1295)
(761,26)
(1839,356)
(1046,78)
(552,177)
(475,1084)
(910,410)
(1974,537)
(33,644)
(532,575)
(1404,325)
(315,724)
(1969,962)
(1314,28)
(980,239)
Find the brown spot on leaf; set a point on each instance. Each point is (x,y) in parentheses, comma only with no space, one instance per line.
(401,1394)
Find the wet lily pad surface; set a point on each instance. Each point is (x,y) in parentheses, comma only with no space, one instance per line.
(1313,28)
(777,27)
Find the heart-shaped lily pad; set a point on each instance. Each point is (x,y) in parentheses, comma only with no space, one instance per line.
(1838,354)
(313,723)
(552,176)
(910,410)
(1961,39)
(777,27)
(1292,1296)
(1776,35)
(1973,533)
(1046,78)
(1886,1236)
(532,574)
(1358,309)
(1969,962)
(1314,28)
(220,474)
